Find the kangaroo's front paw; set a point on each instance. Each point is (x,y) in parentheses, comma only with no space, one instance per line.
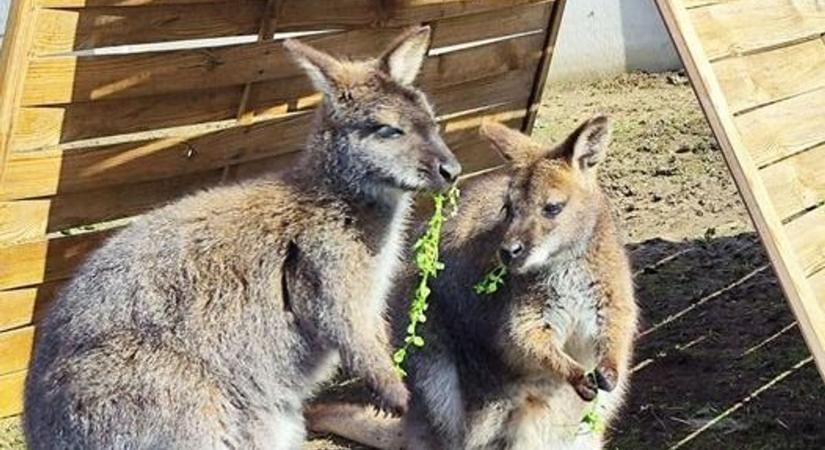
(585,385)
(391,396)
(607,377)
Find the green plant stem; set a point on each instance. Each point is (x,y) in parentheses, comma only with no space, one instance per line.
(426,260)
(591,419)
(492,280)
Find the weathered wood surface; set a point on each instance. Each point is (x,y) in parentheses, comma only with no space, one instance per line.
(797,183)
(744,26)
(758,69)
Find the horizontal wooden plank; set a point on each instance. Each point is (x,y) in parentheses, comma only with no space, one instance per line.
(58,80)
(31,263)
(98,3)
(748,25)
(22,221)
(11,393)
(65,30)
(781,129)
(807,236)
(45,126)
(17,307)
(15,349)
(21,307)
(473,27)
(757,79)
(796,183)
(340,13)
(44,173)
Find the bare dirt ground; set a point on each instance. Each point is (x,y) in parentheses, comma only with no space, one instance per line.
(720,363)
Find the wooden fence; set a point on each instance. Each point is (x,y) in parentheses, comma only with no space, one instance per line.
(111,107)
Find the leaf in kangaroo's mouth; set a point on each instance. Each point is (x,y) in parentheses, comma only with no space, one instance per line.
(426,251)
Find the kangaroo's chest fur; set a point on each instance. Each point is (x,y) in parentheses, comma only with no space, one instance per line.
(390,244)
(525,412)
(571,308)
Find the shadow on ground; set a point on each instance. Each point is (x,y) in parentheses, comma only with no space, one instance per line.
(718,348)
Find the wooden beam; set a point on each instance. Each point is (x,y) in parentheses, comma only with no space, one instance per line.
(551,36)
(13,67)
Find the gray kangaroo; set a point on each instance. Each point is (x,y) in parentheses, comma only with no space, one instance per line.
(512,370)
(207,323)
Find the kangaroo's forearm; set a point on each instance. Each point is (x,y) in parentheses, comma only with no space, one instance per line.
(540,347)
(618,331)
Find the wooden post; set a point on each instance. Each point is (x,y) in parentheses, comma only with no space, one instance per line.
(552,35)
(13,64)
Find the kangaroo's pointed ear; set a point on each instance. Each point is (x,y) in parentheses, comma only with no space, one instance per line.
(403,58)
(516,148)
(323,69)
(588,145)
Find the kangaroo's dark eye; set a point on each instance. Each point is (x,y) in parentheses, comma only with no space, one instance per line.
(507,208)
(552,210)
(388,132)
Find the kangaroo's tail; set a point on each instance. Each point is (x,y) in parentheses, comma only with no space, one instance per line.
(359,423)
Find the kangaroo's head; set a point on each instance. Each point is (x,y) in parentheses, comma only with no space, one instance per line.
(553,200)
(377,128)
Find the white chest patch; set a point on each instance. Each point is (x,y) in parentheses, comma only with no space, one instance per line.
(387,261)
(572,310)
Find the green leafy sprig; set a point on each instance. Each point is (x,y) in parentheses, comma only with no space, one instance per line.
(492,281)
(591,420)
(426,250)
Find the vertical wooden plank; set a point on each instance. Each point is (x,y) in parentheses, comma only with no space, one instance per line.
(809,314)
(552,35)
(266,30)
(13,64)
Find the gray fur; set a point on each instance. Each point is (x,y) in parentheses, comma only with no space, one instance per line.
(207,323)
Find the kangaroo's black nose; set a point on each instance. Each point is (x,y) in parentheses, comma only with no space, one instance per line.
(449,171)
(511,250)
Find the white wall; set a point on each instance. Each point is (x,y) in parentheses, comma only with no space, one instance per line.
(600,38)
(4,14)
